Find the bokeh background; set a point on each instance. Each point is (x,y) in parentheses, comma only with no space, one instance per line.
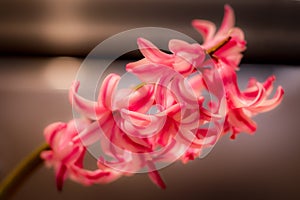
(43,43)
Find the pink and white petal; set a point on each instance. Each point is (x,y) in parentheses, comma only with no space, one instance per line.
(151,52)
(52,130)
(141,125)
(124,141)
(176,46)
(183,93)
(184,66)
(70,154)
(90,109)
(260,97)
(238,119)
(107,90)
(270,104)
(89,135)
(191,140)
(247,101)
(238,35)
(196,82)
(173,111)
(187,51)
(233,60)
(88,177)
(207,137)
(137,99)
(141,99)
(132,65)
(191,121)
(136,118)
(126,166)
(154,73)
(163,97)
(268,84)
(206,28)
(227,23)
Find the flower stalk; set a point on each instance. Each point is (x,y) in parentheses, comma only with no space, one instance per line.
(21,172)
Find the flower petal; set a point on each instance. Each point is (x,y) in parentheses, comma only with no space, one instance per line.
(228,21)
(107,90)
(151,52)
(90,109)
(155,176)
(206,28)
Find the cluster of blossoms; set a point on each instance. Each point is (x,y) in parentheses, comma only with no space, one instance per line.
(132,137)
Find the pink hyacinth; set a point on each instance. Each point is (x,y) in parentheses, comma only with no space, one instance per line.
(131,138)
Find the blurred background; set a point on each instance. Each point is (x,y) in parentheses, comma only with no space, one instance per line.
(43,43)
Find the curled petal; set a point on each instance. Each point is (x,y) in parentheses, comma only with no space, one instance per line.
(228,21)
(141,125)
(90,109)
(241,121)
(107,90)
(88,177)
(268,84)
(238,35)
(127,164)
(184,93)
(151,52)
(141,99)
(187,56)
(155,73)
(270,104)
(89,135)
(206,28)
(130,66)
(125,141)
(240,101)
(163,97)
(52,130)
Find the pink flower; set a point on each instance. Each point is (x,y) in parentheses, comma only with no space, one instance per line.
(242,105)
(230,53)
(184,59)
(66,155)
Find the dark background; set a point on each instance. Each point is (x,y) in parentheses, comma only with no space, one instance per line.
(43,43)
(74,27)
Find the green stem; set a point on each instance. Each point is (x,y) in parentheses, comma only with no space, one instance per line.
(19,174)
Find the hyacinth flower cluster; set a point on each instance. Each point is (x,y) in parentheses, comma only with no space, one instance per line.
(185,121)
